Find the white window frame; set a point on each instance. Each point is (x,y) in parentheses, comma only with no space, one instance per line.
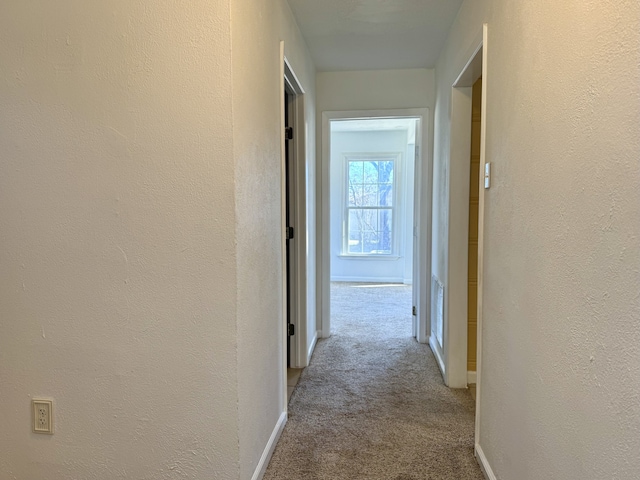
(394,157)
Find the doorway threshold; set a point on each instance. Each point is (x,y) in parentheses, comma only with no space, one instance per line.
(293,376)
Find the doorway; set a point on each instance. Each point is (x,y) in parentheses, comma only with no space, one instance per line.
(372,171)
(375,225)
(450,327)
(294,317)
(472,252)
(456,351)
(295,188)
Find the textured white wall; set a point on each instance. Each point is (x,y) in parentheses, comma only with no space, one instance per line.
(257,134)
(375,89)
(561,355)
(141,250)
(117,213)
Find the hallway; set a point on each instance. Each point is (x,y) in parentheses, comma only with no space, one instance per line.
(372,404)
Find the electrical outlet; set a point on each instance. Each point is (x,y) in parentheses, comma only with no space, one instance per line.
(42,416)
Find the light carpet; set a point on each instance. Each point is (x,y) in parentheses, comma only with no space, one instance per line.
(372,404)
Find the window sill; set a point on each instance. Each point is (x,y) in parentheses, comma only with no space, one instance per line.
(368,257)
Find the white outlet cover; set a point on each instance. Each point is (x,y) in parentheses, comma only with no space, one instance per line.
(42,416)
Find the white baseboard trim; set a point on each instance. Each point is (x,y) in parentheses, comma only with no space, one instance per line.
(408,281)
(368,279)
(435,348)
(471,378)
(484,464)
(312,346)
(268,450)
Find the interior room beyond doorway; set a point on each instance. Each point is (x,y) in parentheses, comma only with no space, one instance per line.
(371,187)
(371,199)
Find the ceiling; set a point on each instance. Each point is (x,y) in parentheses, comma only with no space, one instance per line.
(374,34)
(376,125)
(372,124)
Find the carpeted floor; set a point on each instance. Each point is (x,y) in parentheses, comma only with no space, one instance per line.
(372,404)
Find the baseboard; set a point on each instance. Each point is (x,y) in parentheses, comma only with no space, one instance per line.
(484,464)
(312,346)
(433,343)
(471,378)
(268,450)
(408,281)
(368,279)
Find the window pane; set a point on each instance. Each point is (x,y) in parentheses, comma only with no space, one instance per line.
(355,195)
(354,242)
(355,222)
(385,192)
(355,172)
(384,225)
(367,220)
(355,231)
(369,228)
(370,231)
(370,242)
(369,195)
(371,172)
(385,170)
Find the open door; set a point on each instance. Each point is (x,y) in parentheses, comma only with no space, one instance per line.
(299,327)
(415,271)
(290,270)
(421,239)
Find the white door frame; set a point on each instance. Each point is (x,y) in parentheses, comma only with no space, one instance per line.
(424,169)
(298,214)
(481,201)
(453,356)
(455,318)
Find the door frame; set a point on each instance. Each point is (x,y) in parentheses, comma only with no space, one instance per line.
(297,270)
(455,318)
(481,204)
(452,358)
(422,213)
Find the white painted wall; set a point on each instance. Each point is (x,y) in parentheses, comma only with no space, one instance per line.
(257,137)
(375,89)
(118,285)
(140,235)
(561,355)
(396,268)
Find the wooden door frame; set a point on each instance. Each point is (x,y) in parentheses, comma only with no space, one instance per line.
(424,165)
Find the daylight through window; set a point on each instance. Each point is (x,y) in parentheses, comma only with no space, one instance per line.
(369,222)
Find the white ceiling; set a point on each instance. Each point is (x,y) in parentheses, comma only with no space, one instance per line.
(376,125)
(374,34)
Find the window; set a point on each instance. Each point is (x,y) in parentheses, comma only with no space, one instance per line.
(369,204)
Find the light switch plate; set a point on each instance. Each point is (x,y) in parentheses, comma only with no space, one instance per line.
(42,416)
(487,175)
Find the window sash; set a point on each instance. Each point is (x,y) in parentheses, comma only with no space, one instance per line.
(372,233)
(362,240)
